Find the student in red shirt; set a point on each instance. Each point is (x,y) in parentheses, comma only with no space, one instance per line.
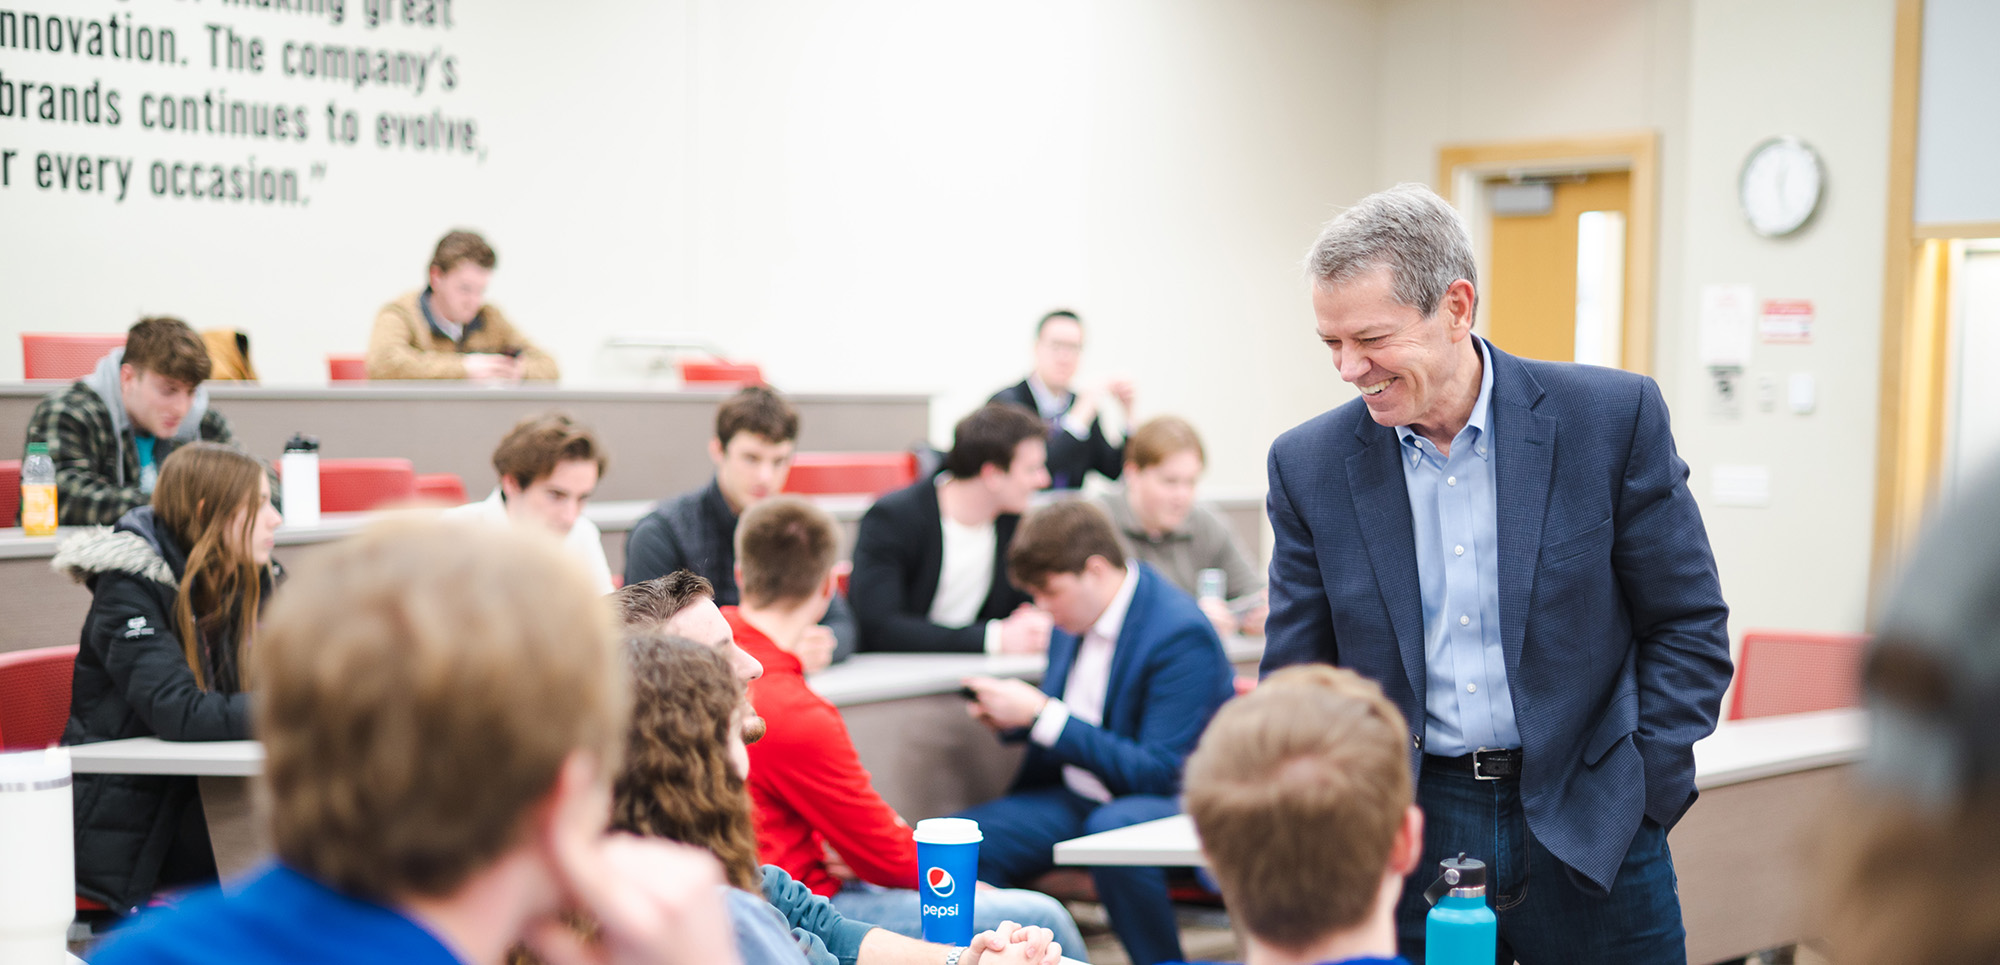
(807,781)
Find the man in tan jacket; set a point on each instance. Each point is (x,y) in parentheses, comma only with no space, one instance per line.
(447,331)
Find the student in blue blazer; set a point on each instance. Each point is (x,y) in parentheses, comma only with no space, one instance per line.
(1510,549)
(1135,672)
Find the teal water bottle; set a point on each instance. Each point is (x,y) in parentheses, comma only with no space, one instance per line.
(1461,929)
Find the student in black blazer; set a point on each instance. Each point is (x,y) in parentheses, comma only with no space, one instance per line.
(1076,439)
(930,569)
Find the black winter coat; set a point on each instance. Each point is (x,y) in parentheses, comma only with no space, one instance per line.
(132,680)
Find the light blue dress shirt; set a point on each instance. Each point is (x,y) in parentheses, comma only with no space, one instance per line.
(1466,701)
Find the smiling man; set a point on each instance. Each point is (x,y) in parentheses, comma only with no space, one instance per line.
(549,466)
(448,331)
(109,431)
(1510,549)
(1135,671)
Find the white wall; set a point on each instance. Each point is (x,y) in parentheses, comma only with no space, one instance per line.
(872,195)
(1803,561)
(910,185)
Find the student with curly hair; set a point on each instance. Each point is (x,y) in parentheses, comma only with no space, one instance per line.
(684,779)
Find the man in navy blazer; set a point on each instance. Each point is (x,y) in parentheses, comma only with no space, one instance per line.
(1135,672)
(1510,549)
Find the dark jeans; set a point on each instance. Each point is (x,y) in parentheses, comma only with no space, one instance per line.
(1546,917)
(1021,831)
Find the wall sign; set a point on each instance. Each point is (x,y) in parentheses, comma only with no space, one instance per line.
(224,102)
(1786,321)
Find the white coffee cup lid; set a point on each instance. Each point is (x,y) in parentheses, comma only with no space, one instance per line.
(948,831)
(36,770)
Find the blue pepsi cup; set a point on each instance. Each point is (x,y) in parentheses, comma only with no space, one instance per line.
(947,877)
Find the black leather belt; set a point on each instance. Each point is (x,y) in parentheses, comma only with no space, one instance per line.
(1483,765)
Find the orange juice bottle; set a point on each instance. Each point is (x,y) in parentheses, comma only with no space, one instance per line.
(38,491)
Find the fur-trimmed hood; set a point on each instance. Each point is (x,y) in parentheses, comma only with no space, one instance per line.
(133,546)
(101,549)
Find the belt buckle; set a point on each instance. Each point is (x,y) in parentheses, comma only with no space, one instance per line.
(1477,773)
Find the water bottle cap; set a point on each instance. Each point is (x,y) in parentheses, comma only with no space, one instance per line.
(1464,872)
(38,448)
(300,442)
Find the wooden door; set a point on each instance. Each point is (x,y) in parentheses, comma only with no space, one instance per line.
(1531,298)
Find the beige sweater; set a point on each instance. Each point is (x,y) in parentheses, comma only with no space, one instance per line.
(404,346)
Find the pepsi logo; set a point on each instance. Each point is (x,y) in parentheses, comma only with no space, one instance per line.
(940,882)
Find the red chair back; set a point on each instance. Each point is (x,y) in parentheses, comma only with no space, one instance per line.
(10,492)
(34,696)
(359,485)
(870,473)
(347,368)
(1792,672)
(716,372)
(441,487)
(52,355)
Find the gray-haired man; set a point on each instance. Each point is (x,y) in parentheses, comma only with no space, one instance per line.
(1510,549)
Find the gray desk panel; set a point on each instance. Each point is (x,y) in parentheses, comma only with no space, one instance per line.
(657,440)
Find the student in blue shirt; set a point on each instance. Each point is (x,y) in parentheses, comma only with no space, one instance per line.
(1301,793)
(442,709)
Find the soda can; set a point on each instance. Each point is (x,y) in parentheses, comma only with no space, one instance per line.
(948,875)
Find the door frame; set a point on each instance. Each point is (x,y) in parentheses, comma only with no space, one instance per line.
(1461,168)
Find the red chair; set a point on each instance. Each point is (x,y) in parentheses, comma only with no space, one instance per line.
(359,485)
(10,492)
(34,696)
(1792,672)
(441,487)
(872,473)
(347,368)
(842,572)
(716,373)
(64,356)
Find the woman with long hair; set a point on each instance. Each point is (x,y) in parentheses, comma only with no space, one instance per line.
(683,778)
(176,590)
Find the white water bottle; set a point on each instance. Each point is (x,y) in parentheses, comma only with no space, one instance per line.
(38,877)
(299,469)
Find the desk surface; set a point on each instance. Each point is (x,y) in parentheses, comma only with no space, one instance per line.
(151,755)
(1738,751)
(865,678)
(610,515)
(1745,750)
(443,389)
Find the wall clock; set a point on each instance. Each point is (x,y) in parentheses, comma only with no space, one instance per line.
(1782,182)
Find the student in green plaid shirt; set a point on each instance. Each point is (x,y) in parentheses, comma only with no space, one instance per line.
(109,431)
